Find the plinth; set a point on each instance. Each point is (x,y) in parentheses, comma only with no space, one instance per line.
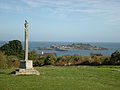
(26,68)
(26,64)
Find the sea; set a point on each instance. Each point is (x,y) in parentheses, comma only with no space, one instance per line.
(112,47)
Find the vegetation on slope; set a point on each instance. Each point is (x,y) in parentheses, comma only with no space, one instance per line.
(12,52)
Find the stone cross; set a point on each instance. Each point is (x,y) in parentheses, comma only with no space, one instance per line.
(26,40)
(26,66)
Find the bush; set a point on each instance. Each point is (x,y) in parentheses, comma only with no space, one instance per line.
(96,54)
(50,59)
(8,61)
(12,61)
(65,60)
(105,60)
(71,60)
(85,63)
(115,57)
(40,62)
(95,60)
(3,61)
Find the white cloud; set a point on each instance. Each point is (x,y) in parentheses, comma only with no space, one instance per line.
(74,5)
(12,5)
(109,8)
(77,5)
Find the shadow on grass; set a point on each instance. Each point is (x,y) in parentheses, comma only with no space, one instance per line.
(7,72)
(4,73)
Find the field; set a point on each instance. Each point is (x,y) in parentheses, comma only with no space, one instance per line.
(64,78)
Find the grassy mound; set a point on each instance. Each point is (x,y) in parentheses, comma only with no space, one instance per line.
(64,78)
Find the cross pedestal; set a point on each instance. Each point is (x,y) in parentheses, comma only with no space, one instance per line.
(26,64)
(26,68)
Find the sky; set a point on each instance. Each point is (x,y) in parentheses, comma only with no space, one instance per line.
(61,20)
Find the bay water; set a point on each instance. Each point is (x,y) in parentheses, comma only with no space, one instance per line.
(111,48)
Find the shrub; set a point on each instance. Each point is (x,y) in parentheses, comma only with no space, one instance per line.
(8,61)
(12,61)
(71,60)
(115,57)
(95,60)
(50,59)
(85,63)
(67,59)
(40,62)
(3,61)
(105,60)
(64,60)
(96,54)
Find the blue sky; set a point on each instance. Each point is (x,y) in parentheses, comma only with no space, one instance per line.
(61,20)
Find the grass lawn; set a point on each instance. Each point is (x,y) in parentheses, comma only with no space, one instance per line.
(64,78)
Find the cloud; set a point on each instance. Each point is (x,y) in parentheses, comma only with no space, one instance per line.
(12,5)
(107,8)
(77,5)
(70,5)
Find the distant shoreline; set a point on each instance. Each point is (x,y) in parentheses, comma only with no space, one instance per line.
(112,47)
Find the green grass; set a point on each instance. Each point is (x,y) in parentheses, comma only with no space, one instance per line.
(64,78)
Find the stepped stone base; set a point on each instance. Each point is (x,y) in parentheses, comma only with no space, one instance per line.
(26,68)
(26,72)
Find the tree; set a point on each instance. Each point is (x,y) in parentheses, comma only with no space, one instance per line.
(12,48)
(50,59)
(32,55)
(115,57)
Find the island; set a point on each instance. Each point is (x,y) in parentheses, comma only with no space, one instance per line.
(82,46)
(44,48)
(59,48)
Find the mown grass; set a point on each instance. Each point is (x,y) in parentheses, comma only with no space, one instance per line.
(64,78)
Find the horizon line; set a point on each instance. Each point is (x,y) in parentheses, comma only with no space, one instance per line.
(65,41)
